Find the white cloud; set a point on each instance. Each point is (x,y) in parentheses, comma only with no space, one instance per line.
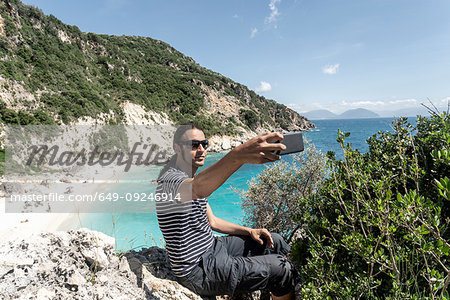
(235,16)
(274,13)
(404,101)
(302,108)
(444,102)
(263,87)
(330,69)
(253,32)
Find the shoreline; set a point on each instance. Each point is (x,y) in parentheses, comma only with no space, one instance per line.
(21,225)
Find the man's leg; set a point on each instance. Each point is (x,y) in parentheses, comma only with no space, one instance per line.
(229,273)
(279,270)
(272,271)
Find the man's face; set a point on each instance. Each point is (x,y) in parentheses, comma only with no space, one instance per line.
(196,154)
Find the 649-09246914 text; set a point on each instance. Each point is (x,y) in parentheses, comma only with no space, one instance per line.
(97,196)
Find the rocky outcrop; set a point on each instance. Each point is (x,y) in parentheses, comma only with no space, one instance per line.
(78,264)
(225,142)
(82,264)
(2,27)
(151,267)
(135,114)
(16,96)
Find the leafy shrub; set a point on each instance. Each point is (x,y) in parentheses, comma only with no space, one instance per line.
(374,232)
(10,28)
(272,198)
(377,228)
(250,118)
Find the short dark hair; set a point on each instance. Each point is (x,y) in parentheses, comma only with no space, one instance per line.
(182,128)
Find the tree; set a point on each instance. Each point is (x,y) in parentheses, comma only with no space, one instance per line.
(273,199)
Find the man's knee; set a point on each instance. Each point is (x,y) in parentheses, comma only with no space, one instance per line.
(271,271)
(281,279)
(279,244)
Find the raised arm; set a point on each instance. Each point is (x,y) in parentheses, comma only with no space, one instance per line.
(258,150)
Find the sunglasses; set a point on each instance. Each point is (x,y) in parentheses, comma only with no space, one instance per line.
(196,143)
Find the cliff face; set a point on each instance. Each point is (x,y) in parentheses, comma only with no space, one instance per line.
(50,71)
(231,108)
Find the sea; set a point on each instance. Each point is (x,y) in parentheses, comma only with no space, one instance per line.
(138,230)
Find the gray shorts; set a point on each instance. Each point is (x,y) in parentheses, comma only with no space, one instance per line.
(238,264)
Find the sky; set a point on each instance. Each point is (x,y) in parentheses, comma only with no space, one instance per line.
(381,55)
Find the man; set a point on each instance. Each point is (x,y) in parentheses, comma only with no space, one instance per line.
(246,260)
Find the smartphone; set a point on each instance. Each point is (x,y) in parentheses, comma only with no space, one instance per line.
(293,142)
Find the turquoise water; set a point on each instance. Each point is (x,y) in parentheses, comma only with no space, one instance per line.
(136,230)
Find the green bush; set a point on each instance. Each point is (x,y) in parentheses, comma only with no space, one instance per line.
(272,198)
(10,28)
(373,231)
(378,227)
(250,118)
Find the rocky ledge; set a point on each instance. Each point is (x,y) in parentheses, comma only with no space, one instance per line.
(82,264)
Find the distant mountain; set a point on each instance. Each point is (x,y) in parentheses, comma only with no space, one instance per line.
(320,114)
(358,113)
(349,114)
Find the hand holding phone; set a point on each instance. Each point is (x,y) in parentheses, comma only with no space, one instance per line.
(293,142)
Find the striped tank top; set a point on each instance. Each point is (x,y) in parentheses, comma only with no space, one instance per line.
(184,225)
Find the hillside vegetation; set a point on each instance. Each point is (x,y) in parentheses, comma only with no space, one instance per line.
(53,72)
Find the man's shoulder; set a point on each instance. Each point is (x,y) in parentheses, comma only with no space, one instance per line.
(172,174)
